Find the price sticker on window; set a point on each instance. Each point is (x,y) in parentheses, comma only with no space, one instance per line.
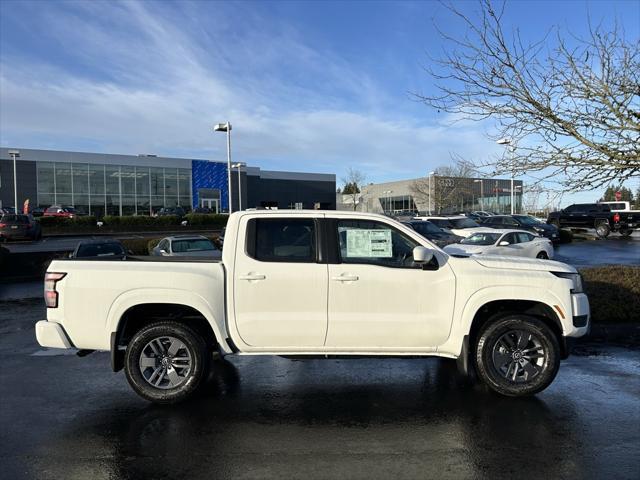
(369,243)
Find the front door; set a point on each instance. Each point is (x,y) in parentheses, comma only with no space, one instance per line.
(280,288)
(210,203)
(378,298)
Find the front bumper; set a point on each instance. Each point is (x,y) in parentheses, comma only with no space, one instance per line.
(581,315)
(52,335)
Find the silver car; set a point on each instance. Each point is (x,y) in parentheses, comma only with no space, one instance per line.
(187,246)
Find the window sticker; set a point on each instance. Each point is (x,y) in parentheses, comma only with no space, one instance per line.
(369,243)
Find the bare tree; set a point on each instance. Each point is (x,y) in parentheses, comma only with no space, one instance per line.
(353,183)
(571,109)
(449,187)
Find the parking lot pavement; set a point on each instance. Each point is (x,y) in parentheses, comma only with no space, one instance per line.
(615,250)
(262,417)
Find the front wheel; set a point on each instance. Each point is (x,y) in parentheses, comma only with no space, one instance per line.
(166,362)
(517,355)
(542,255)
(626,232)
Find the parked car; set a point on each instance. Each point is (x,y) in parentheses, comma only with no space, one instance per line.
(317,284)
(187,246)
(598,216)
(103,248)
(457,225)
(433,233)
(58,211)
(178,211)
(507,242)
(14,227)
(7,210)
(482,213)
(37,211)
(523,222)
(202,210)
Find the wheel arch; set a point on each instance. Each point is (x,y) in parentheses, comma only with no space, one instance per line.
(134,310)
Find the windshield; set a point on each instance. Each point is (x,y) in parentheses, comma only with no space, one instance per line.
(425,227)
(526,220)
(100,250)
(195,245)
(485,238)
(464,223)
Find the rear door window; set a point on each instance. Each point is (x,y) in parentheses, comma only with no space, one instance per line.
(282,240)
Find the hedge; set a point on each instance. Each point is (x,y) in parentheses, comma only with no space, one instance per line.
(206,219)
(614,293)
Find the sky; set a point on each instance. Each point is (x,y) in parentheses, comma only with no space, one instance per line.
(307,86)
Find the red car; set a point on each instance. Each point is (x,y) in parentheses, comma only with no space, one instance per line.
(56,211)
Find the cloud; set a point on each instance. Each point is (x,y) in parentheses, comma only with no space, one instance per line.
(130,78)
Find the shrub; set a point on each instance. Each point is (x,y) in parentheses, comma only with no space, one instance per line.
(167,220)
(138,246)
(614,293)
(52,221)
(85,221)
(151,244)
(137,221)
(111,220)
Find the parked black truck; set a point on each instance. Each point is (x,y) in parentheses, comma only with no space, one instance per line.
(598,216)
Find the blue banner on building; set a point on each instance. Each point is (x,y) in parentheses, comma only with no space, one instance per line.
(207,175)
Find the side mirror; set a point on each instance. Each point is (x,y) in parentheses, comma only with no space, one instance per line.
(504,243)
(422,255)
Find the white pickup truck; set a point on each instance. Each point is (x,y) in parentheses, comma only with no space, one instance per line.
(311,284)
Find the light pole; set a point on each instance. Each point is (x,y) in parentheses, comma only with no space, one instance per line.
(238,165)
(507,141)
(226,127)
(430,175)
(481,192)
(15,154)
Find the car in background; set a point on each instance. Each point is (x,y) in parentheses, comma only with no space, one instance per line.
(19,227)
(101,248)
(433,233)
(58,211)
(523,222)
(187,246)
(202,210)
(7,210)
(506,242)
(482,213)
(164,211)
(457,224)
(37,211)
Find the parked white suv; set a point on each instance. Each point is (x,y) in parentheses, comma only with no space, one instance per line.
(316,283)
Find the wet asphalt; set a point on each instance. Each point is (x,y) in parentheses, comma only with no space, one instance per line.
(65,417)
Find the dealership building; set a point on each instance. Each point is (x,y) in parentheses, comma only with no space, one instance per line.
(107,184)
(448,195)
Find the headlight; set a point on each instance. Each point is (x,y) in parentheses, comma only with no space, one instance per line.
(576,278)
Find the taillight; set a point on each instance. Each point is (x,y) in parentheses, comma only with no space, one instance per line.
(616,217)
(50,294)
(3,225)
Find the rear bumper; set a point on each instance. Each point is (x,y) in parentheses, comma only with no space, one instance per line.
(52,335)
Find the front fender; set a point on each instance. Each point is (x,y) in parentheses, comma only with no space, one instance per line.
(480,298)
(132,298)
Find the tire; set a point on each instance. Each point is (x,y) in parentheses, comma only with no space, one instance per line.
(161,375)
(626,232)
(603,230)
(502,356)
(543,255)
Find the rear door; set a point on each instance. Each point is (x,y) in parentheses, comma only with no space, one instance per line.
(280,283)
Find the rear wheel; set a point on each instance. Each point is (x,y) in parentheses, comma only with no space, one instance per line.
(542,255)
(626,232)
(165,362)
(603,230)
(517,355)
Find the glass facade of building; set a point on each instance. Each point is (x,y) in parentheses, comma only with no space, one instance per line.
(112,189)
(397,204)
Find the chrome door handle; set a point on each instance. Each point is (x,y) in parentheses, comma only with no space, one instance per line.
(345,278)
(252,276)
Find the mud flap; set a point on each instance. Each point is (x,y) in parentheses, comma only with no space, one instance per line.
(464,361)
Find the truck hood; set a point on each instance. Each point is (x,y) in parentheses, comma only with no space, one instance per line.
(521,263)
